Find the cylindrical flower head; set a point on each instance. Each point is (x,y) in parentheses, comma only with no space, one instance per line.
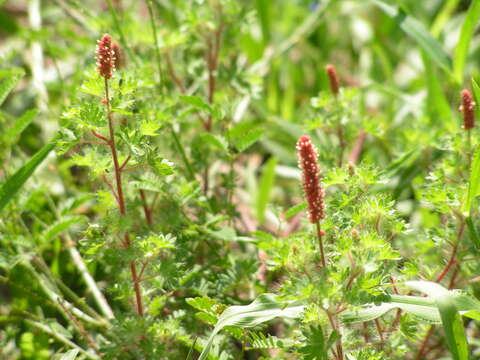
(105,57)
(119,60)
(333,79)
(307,161)
(468,109)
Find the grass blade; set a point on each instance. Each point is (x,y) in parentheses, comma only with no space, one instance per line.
(453,327)
(474,183)
(266,184)
(16,181)
(418,32)
(264,308)
(461,51)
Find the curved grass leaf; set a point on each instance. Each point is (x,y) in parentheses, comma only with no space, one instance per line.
(16,181)
(418,32)
(264,308)
(461,51)
(440,305)
(453,327)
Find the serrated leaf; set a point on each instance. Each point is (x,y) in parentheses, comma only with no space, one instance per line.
(203,303)
(16,181)
(8,80)
(149,128)
(294,210)
(250,138)
(218,142)
(19,124)
(196,101)
(264,308)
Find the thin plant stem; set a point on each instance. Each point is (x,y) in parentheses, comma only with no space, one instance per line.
(188,166)
(320,244)
(121,199)
(469,147)
(157,48)
(82,268)
(146,209)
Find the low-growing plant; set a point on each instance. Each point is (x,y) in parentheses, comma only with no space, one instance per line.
(229,179)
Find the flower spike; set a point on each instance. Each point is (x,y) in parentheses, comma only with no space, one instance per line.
(105,57)
(314,193)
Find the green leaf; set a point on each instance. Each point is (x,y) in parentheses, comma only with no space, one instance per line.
(476,95)
(70,355)
(453,327)
(437,104)
(216,141)
(250,138)
(294,210)
(61,225)
(473,232)
(19,124)
(8,79)
(264,308)
(16,181)
(149,128)
(474,182)
(196,101)
(267,181)
(264,15)
(461,51)
(424,312)
(418,32)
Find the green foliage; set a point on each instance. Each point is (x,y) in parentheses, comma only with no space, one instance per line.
(171,222)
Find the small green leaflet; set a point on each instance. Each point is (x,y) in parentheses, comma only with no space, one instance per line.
(196,101)
(294,210)
(264,308)
(16,181)
(8,79)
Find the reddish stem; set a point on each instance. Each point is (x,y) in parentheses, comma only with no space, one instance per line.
(121,199)
(320,244)
(357,148)
(146,209)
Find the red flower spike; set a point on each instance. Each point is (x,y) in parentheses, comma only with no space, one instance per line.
(119,60)
(333,79)
(105,57)
(314,193)
(468,109)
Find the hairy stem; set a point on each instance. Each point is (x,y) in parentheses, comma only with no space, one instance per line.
(320,244)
